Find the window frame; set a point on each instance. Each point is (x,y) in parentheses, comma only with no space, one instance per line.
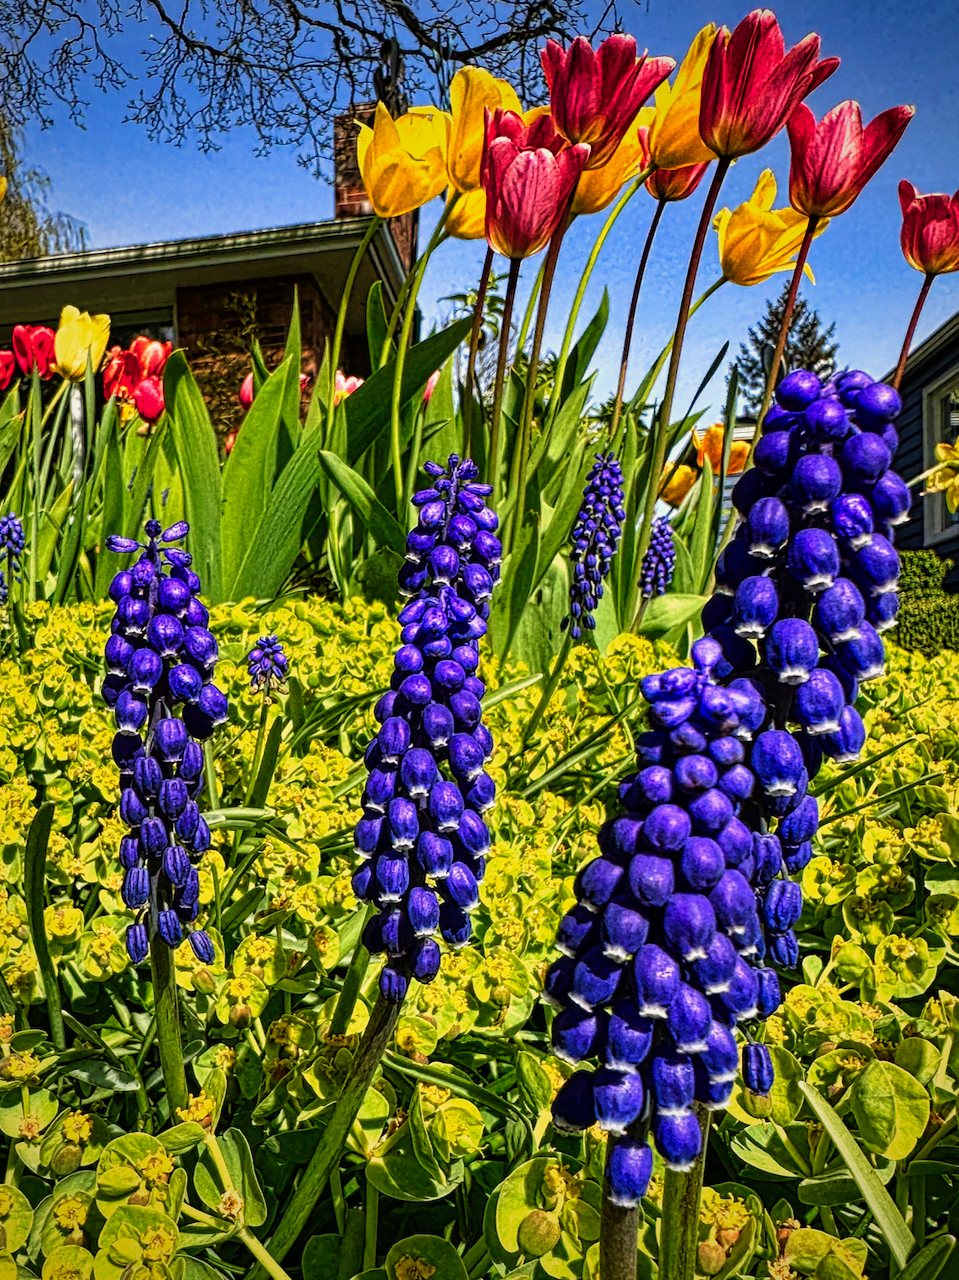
(934,529)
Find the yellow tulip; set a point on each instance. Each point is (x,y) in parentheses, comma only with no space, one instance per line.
(756,240)
(467,217)
(597,188)
(674,141)
(677,483)
(403,161)
(710,445)
(472,91)
(3,186)
(79,335)
(944,477)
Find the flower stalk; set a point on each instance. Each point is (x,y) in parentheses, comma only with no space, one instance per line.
(631,319)
(493,461)
(679,1225)
(474,348)
(168,1039)
(911,330)
(358,256)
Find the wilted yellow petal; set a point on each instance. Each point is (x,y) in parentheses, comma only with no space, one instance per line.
(682,480)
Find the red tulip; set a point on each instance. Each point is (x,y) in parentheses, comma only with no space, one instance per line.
(121,374)
(528,174)
(430,387)
(751,86)
(148,398)
(8,365)
(230,441)
(33,346)
(595,95)
(247,392)
(930,230)
(150,354)
(670,184)
(832,161)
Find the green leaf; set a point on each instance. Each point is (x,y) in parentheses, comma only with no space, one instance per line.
(239,1161)
(556,533)
(930,1261)
(580,357)
(182,1137)
(668,611)
(196,452)
(293,352)
(438,1254)
(510,595)
(248,471)
(702,543)
(368,408)
(321,1254)
(890,1107)
(377,520)
(375,322)
(888,1218)
(34,867)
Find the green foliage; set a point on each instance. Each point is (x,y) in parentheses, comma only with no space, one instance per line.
(928,620)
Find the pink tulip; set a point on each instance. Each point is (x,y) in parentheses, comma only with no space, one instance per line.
(528,174)
(246,391)
(930,230)
(344,386)
(8,365)
(595,95)
(430,387)
(150,354)
(148,398)
(33,347)
(832,161)
(751,86)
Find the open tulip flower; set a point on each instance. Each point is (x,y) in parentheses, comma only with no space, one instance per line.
(710,445)
(676,483)
(33,347)
(670,184)
(751,86)
(833,160)
(403,161)
(596,188)
(466,219)
(930,230)
(344,386)
(528,174)
(674,141)
(473,91)
(944,478)
(756,240)
(80,337)
(595,95)
(8,367)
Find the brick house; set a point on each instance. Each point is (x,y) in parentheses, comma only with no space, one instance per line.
(212,295)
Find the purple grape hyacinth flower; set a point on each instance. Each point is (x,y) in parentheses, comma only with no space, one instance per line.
(595,537)
(267,664)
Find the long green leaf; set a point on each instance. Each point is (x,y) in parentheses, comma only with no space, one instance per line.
(701,543)
(577,365)
(557,531)
(368,408)
(248,471)
(111,511)
(294,353)
(34,867)
(929,1262)
(196,452)
(378,521)
(888,1218)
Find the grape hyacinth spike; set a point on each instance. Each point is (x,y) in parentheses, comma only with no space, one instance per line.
(595,537)
(659,561)
(267,664)
(160,660)
(422,838)
(683,921)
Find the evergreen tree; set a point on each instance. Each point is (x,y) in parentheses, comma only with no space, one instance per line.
(808,346)
(28,229)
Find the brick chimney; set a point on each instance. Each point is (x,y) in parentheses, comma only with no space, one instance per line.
(349,194)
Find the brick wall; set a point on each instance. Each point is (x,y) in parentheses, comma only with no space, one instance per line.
(350,199)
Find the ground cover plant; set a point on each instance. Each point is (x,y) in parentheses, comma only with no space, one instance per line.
(569,887)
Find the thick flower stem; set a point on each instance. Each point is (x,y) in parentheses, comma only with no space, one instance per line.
(618,1233)
(660,431)
(474,348)
(341,313)
(355,974)
(631,320)
(548,690)
(328,1153)
(522,450)
(269,1265)
(679,1225)
(911,331)
(492,462)
(167,1012)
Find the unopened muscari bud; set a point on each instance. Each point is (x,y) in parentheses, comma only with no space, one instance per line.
(685,919)
(158,661)
(595,537)
(427,785)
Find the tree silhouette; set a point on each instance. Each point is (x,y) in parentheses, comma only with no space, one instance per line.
(808,346)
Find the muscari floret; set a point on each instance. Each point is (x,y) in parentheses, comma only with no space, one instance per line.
(684,919)
(267,664)
(422,836)
(595,537)
(659,561)
(160,660)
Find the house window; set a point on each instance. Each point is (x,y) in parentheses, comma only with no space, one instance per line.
(941,420)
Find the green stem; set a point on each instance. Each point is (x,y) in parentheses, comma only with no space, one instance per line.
(793,1150)
(660,428)
(917,1193)
(946,1127)
(358,257)
(212,790)
(355,974)
(370,1226)
(530,308)
(474,348)
(328,1153)
(165,999)
(36,423)
(492,462)
(679,1226)
(631,319)
(549,689)
(911,331)
(266,1261)
(258,749)
(618,1233)
(339,1200)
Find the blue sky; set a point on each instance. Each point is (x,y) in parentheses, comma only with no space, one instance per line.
(129,190)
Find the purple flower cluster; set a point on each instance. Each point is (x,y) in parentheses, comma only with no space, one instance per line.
(11,548)
(659,561)
(681,918)
(160,659)
(595,537)
(422,834)
(267,664)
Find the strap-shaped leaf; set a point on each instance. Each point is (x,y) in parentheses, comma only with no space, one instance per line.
(199,461)
(378,521)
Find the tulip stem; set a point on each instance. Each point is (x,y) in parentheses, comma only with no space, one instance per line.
(521,452)
(679,1225)
(351,275)
(327,1155)
(530,307)
(660,428)
(631,320)
(492,462)
(549,688)
(474,348)
(167,1012)
(911,331)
